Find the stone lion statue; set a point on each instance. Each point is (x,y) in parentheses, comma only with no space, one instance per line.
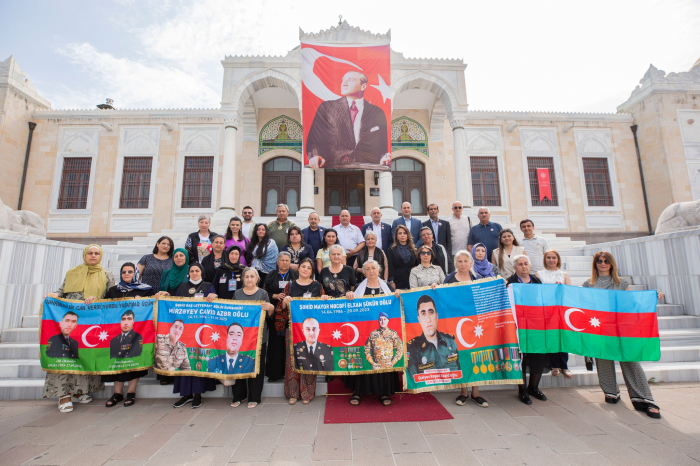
(679,216)
(21,222)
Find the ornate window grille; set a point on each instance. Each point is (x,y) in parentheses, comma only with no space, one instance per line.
(197,182)
(136,183)
(408,134)
(485,184)
(597,176)
(533,163)
(75,182)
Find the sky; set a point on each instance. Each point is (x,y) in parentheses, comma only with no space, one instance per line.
(584,56)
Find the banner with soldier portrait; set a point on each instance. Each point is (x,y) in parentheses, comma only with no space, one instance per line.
(347,337)
(109,336)
(220,340)
(460,335)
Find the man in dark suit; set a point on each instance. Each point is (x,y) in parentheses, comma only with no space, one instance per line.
(128,344)
(313,234)
(385,239)
(232,362)
(348,132)
(310,354)
(442,234)
(413,224)
(62,345)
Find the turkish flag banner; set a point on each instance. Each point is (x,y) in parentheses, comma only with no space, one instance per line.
(544,184)
(346,106)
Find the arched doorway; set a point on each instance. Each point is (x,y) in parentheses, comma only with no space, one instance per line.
(408,184)
(281,183)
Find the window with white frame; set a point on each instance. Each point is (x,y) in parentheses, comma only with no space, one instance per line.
(137,161)
(197,180)
(485,155)
(540,150)
(75,170)
(597,168)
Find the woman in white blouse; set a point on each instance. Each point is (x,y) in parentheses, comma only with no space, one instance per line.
(508,248)
(553,274)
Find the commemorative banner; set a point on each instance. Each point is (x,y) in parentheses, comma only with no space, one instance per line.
(220,340)
(607,324)
(460,335)
(110,336)
(343,337)
(346,102)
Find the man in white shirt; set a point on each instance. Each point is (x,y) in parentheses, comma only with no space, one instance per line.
(381,230)
(247,222)
(535,246)
(349,237)
(459,228)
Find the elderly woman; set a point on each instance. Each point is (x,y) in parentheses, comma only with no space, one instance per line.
(508,248)
(199,243)
(228,278)
(553,274)
(296,247)
(401,258)
(128,287)
(323,259)
(262,252)
(152,266)
(384,384)
(534,363)
(371,252)
(297,385)
(481,264)
(251,389)
(337,279)
(176,275)
(275,283)
(216,259)
(235,237)
(86,282)
(605,276)
(440,256)
(465,274)
(426,273)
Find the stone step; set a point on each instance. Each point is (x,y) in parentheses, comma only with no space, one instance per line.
(678,322)
(669,354)
(670,310)
(31,321)
(20,335)
(638,288)
(19,350)
(680,337)
(20,368)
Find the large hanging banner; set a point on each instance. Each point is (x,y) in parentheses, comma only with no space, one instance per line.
(460,335)
(109,336)
(607,324)
(343,337)
(220,340)
(346,102)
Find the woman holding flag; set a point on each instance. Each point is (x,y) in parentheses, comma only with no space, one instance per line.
(605,276)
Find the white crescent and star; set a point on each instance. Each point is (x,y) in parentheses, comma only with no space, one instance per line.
(459,333)
(196,335)
(311,80)
(567,318)
(357,334)
(85,335)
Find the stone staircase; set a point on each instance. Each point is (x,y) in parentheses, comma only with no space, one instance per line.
(21,376)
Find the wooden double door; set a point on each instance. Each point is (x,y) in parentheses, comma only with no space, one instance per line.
(345,191)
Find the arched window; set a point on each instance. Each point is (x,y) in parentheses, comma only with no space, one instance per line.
(408,184)
(281,182)
(408,134)
(280,133)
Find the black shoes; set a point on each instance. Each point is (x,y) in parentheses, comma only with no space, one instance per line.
(523,397)
(197,402)
(537,393)
(183,401)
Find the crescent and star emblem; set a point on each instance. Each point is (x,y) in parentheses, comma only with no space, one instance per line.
(567,318)
(196,335)
(336,334)
(85,335)
(459,333)
(311,80)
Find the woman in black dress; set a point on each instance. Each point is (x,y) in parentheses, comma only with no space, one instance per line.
(128,287)
(228,277)
(401,258)
(534,363)
(275,282)
(216,259)
(296,247)
(338,280)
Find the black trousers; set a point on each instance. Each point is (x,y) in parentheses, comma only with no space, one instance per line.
(251,388)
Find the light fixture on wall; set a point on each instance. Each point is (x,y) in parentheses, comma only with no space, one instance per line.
(376,178)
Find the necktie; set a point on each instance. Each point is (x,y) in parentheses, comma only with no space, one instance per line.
(311,350)
(230,366)
(353,112)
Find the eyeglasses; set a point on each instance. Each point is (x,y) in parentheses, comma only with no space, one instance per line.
(426,253)
(127,272)
(457,208)
(602,261)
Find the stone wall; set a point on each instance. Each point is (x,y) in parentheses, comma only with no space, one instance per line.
(30,268)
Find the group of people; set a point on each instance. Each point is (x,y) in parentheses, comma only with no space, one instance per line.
(279,262)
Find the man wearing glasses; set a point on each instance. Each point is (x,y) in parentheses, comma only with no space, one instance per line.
(459,228)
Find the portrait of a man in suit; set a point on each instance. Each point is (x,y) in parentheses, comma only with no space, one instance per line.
(311,354)
(349,132)
(231,362)
(128,344)
(62,345)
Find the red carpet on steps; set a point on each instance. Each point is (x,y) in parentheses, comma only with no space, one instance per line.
(405,408)
(356,220)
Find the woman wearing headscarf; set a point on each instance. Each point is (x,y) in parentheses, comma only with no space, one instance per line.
(228,277)
(481,264)
(128,287)
(86,282)
(176,275)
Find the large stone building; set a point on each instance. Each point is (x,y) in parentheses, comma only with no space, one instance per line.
(109,173)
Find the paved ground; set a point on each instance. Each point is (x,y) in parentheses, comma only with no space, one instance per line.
(573,427)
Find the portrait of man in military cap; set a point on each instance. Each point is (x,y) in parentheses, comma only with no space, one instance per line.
(383,348)
(311,354)
(171,353)
(432,349)
(232,362)
(128,344)
(62,345)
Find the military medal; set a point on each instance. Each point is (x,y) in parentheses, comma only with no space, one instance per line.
(509,367)
(192,290)
(476,369)
(515,366)
(279,227)
(491,368)
(483,368)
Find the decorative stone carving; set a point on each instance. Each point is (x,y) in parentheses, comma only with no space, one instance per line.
(21,222)
(679,216)
(343,32)
(232,121)
(655,79)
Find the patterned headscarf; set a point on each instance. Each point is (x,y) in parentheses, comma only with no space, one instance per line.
(134,284)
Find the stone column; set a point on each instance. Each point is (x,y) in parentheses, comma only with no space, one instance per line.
(463,187)
(386,199)
(228,178)
(306,196)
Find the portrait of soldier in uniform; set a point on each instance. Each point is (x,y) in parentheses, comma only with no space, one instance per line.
(383,348)
(432,349)
(128,344)
(171,353)
(349,132)
(62,345)
(232,362)
(311,354)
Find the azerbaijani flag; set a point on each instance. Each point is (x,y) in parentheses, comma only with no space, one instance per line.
(615,325)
